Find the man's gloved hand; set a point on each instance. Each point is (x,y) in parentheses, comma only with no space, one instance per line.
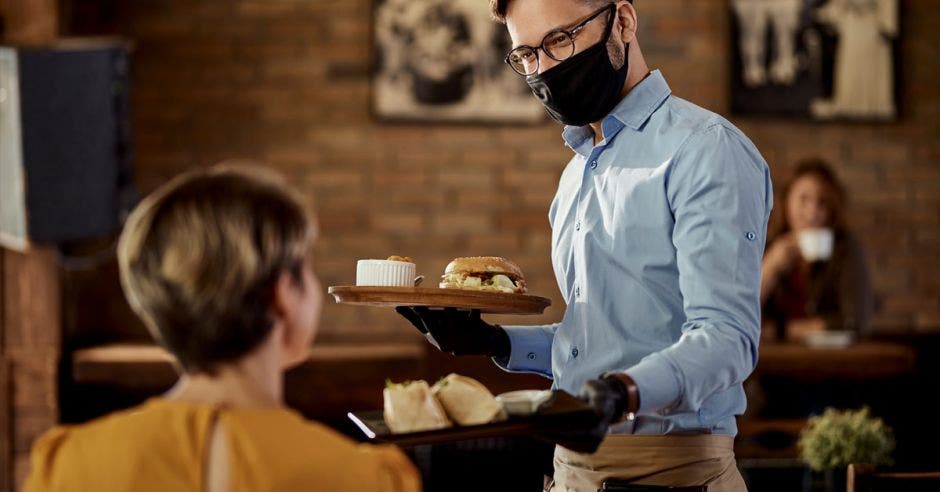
(609,397)
(612,396)
(458,331)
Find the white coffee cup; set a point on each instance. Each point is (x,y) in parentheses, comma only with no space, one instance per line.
(816,243)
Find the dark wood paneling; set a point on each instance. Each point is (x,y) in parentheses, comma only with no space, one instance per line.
(32,342)
(6,426)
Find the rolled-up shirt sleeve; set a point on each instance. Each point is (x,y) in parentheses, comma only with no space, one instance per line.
(531,350)
(720,194)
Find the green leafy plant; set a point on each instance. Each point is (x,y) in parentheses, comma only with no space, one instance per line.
(389,384)
(837,438)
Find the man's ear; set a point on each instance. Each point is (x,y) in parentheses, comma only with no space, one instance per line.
(626,14)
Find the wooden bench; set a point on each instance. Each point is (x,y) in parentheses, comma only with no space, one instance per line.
(866,478)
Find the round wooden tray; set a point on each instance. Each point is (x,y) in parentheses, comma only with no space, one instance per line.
(486,302)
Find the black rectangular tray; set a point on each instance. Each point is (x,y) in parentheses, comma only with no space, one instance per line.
(561,411)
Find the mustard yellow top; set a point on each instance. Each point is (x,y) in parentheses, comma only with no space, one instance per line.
(162,445)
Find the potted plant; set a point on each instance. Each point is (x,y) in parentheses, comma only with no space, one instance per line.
(833,440)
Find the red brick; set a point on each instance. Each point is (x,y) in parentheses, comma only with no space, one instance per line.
(484,199)
(536,198)
(409,198)
(417,157)
(492,244)
(463,137)
(489,158)
(465,179)
(338,180)
(539,243)
(554,158)
(337,221)
(530,179)
(397,222)
(469,223)
(518,220)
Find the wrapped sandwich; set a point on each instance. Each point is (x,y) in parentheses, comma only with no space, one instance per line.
(411,407)
(467,401)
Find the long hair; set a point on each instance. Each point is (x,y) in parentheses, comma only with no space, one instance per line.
(835,197)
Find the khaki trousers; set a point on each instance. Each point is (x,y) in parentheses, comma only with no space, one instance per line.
(651,460)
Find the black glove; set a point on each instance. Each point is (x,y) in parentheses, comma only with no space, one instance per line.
(610,398)
(458,331)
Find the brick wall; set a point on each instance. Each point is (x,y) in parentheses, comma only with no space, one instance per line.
(287,82)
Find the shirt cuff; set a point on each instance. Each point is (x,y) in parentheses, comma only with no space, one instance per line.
(530,350)
(656,382)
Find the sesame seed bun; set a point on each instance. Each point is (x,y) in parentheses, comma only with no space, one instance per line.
(458,271)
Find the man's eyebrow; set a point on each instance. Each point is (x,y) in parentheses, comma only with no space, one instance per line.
(562,27)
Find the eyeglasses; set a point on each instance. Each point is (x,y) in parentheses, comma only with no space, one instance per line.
(557,44)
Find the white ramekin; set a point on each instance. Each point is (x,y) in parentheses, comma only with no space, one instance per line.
(385,273)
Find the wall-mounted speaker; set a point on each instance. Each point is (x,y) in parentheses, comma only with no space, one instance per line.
(65,141)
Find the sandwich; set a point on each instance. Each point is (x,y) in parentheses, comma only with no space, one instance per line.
(487,273)
(411,407)
(467,401)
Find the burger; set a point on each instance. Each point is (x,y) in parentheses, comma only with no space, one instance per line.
(487,273)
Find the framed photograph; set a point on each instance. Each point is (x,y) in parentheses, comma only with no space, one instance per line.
(822,59)
(442,61)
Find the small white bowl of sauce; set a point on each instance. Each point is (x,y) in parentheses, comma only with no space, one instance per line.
(523,402)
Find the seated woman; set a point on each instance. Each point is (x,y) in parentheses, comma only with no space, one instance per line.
(804,290)
(217,264)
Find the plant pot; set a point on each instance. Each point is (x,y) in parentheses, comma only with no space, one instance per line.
(836,479)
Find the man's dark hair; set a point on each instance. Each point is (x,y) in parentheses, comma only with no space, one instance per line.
(498,7)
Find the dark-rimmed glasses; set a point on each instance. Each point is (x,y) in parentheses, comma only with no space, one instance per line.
(557,44)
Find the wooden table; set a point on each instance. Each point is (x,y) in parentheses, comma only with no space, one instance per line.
(863,360)
(151,365)
(335,378)
(857,363)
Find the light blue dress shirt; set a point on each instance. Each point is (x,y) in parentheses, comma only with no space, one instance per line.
(657,237)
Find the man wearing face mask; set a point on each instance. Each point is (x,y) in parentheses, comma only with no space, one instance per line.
(658,229)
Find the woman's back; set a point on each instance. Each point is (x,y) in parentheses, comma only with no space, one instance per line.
(165,445)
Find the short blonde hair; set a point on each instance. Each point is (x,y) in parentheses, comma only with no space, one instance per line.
(199,258)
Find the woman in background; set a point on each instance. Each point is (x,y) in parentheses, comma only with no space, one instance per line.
(809,289)
(217,264)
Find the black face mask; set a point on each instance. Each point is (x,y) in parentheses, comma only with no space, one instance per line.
(584,88)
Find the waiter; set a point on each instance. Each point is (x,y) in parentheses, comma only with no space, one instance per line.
(658,229)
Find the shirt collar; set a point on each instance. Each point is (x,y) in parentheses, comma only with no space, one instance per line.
(633,111)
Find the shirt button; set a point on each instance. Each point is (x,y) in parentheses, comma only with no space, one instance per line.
(577,291)
(594,164)
(574,352)
(531,356)
(577,226)
(750,236)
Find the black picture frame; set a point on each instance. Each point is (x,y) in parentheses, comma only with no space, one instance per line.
(842,65)
(441,61)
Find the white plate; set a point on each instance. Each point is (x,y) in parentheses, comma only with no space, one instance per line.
(523,402)
(830,339)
